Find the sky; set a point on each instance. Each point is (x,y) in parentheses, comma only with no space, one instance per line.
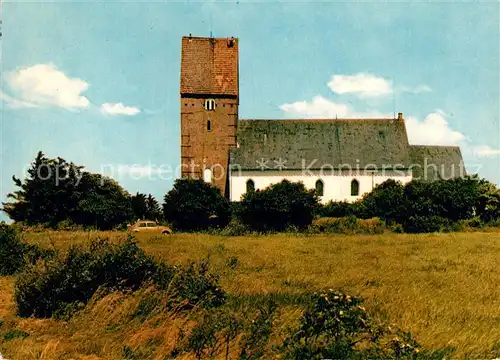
(97,83)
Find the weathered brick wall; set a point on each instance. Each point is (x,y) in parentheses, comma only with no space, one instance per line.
(201,148)
(209,66)
(209,70)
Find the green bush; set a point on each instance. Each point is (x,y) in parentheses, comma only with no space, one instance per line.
(348,225)
(336,326)
(194,205)
(11,251)
(278,207)
(452,199)
(196,286)
(488,204)
(342,225)
(385,201)
(329,327)
(49,287)
(426,224)
(336,209)
(235,228)
(15,334)
(14,254)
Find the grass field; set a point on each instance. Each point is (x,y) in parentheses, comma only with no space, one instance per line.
(444,288)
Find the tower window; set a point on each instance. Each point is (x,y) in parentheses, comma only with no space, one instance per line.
(319,188)
(250,186)
(354,187)
(210,104)
(207,175)
(209,125)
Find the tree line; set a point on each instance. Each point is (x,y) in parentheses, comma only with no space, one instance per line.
(58,192)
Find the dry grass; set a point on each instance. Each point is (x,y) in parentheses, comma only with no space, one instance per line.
(441,287)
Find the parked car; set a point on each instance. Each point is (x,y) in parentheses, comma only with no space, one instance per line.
(149,226)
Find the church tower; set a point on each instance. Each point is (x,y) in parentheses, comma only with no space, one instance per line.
(209,107)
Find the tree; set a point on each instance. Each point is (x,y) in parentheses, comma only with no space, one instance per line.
(139,206)
(55,190)
(49,193)
(452,199)
(105,204)
(145,208)
(278,206)
(385,201)
(153,209)
(488,202)
(193,204)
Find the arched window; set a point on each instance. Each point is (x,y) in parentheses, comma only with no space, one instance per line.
(207,175)
(210,104)
(319,187)
(250,186)
(209,125)
(354,187)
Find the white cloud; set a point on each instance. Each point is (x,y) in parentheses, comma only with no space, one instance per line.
(321,107)
(485,151)
(362,84)
(119,109)
(366,85)
(318,107)
(434,130)
(15,103)
(45,85)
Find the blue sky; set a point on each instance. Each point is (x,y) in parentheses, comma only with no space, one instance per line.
(98,83)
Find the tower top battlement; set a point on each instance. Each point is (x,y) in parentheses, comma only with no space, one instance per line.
(209,66)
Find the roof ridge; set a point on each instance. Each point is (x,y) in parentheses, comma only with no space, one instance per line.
(437,146)
(322,119)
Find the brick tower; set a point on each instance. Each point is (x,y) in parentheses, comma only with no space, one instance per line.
(209,107)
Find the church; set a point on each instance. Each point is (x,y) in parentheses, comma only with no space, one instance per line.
(341,159)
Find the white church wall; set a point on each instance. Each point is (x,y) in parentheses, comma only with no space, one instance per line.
(336,187)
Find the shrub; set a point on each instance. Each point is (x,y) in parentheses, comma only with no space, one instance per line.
(348,225)
(425,224)
(254,341)
(473,223)
(278,206)
(215,330)
(193,205)
(371,226)
(196,286)
(488,205)
(336,326)
(328,328)
(452,199)
(213,333)
(14,254)
(235,228)
(385,201)
(336,209)
(11,251)
(15,334)
(343,225)
(49,287)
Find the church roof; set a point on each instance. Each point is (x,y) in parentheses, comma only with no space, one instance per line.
(209,66)
(323,142)
(441,162)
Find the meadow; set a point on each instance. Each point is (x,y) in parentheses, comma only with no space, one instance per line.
(443,288)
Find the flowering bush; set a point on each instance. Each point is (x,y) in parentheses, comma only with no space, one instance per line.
(336,326)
